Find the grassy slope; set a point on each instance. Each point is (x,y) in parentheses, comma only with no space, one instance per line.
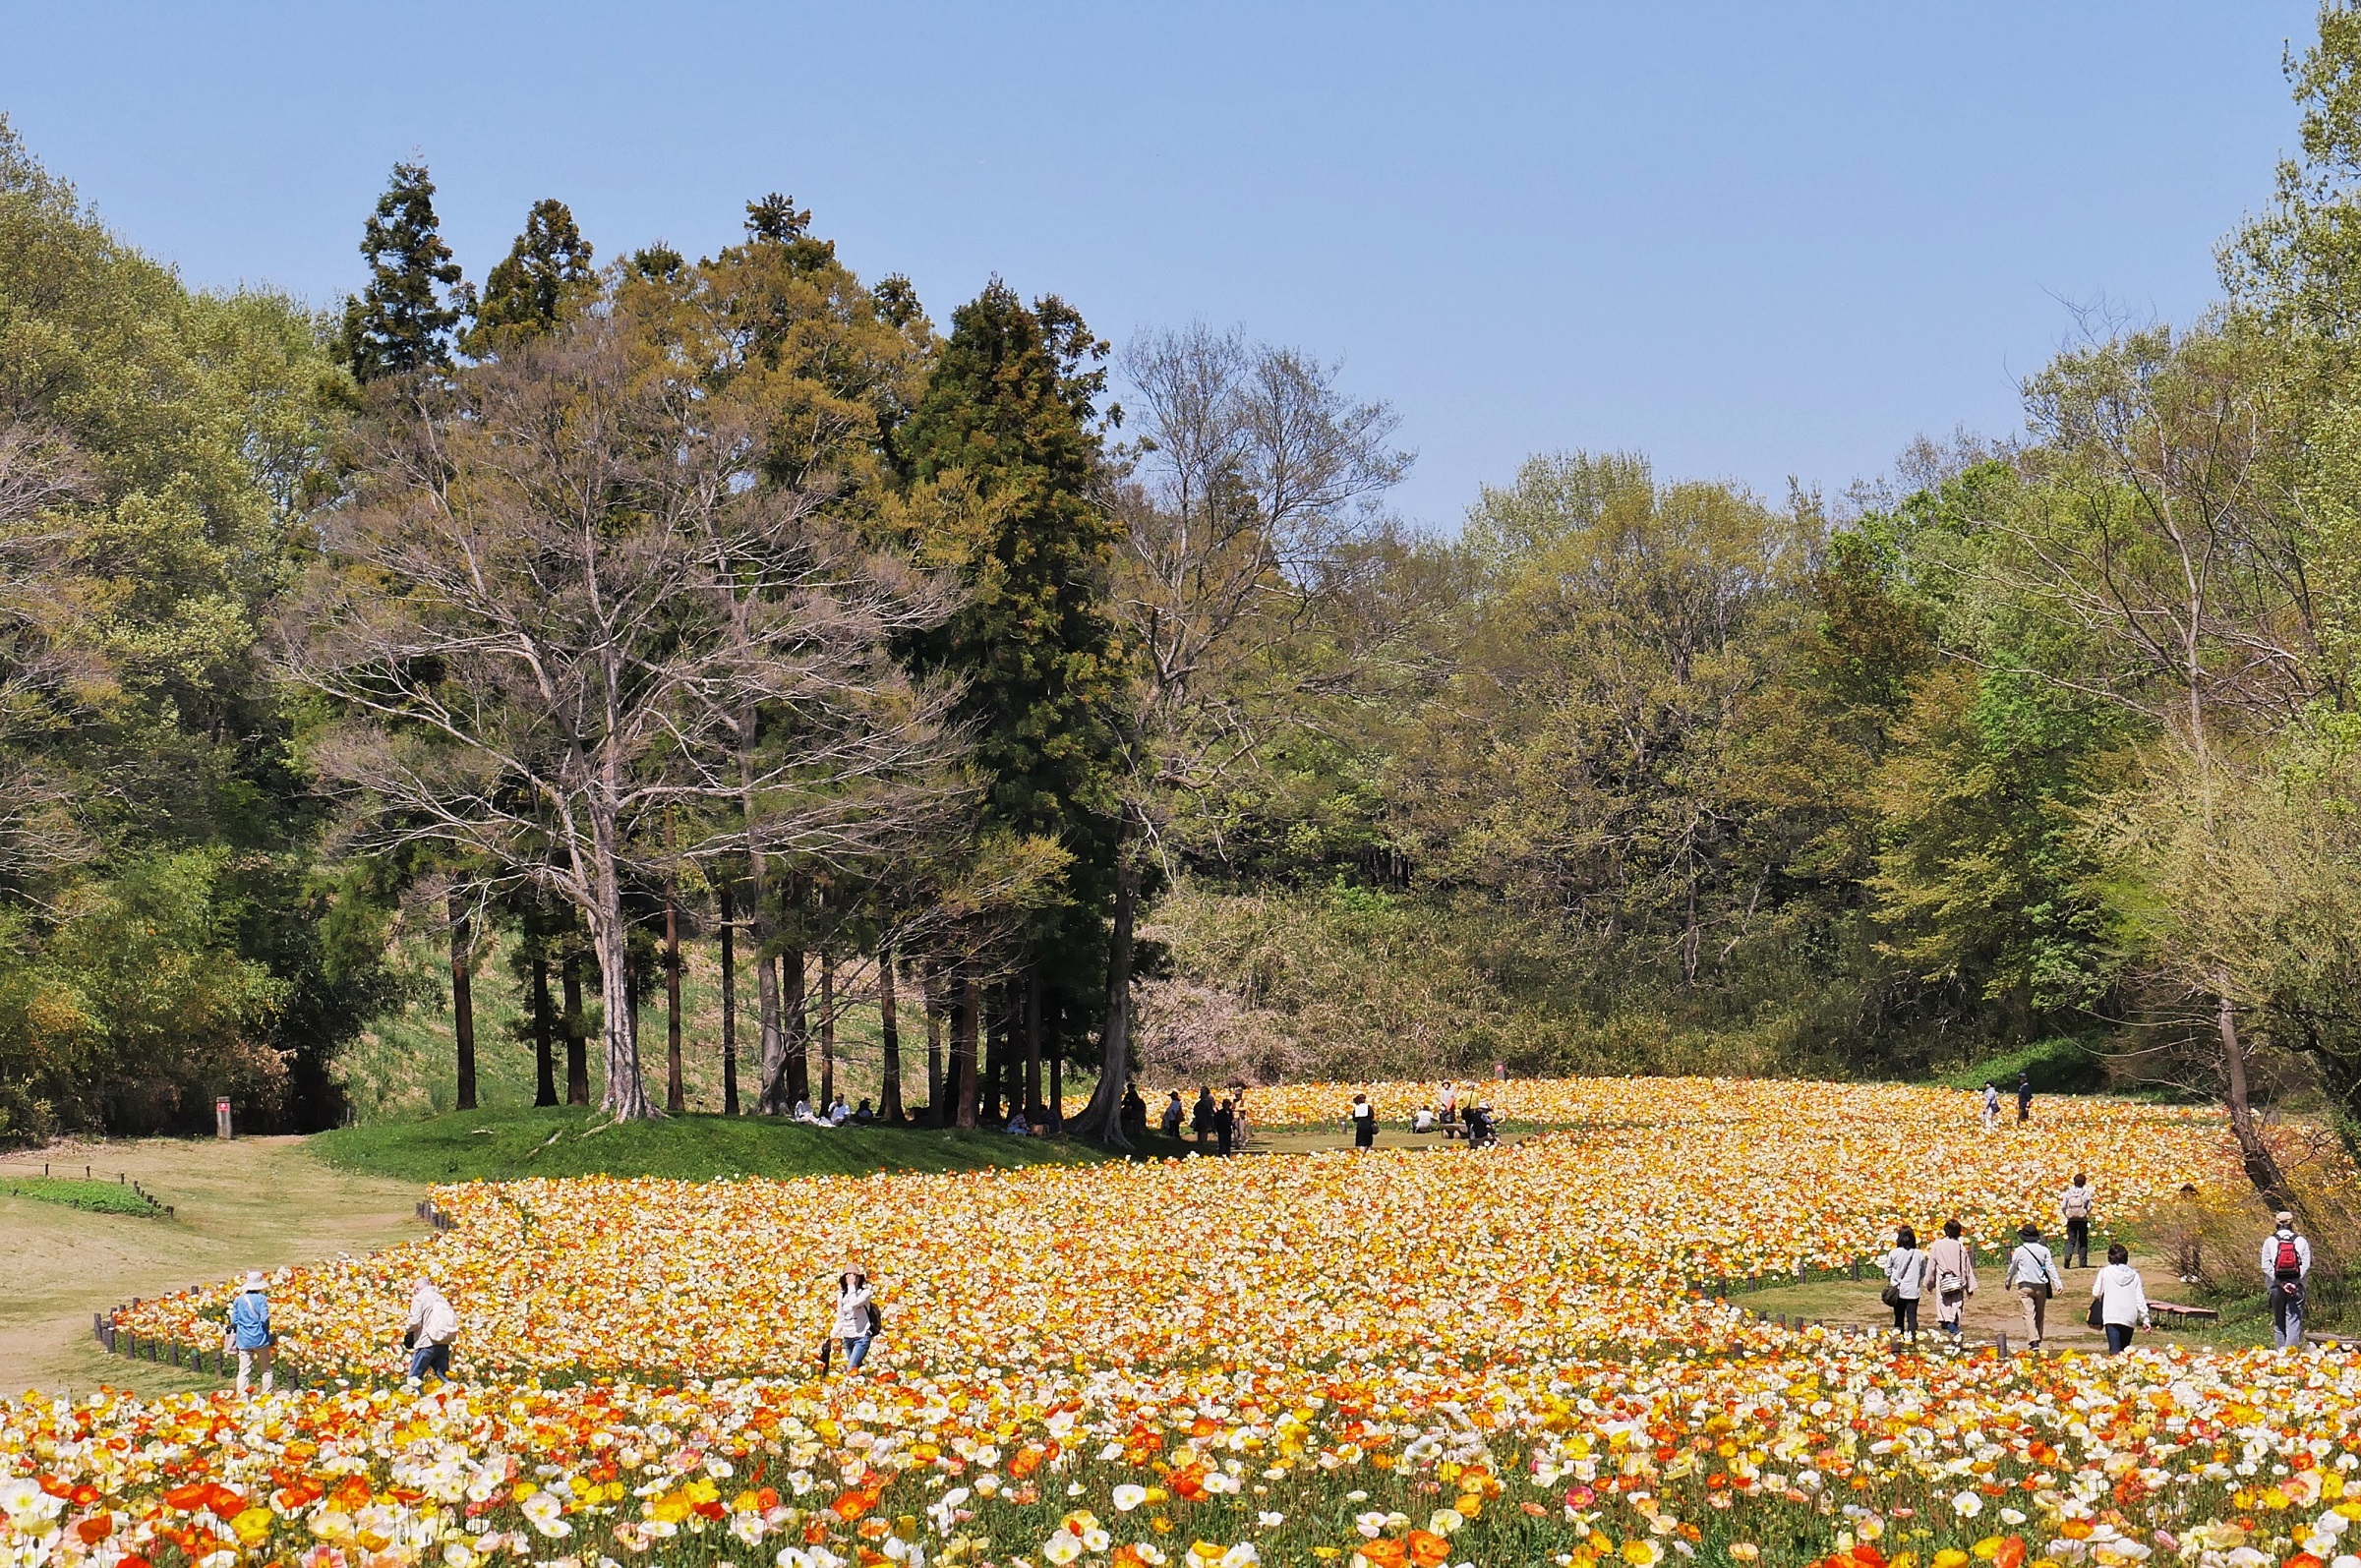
(504,1144)
(252,1203)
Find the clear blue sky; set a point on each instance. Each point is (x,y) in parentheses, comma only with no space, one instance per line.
(1750,239)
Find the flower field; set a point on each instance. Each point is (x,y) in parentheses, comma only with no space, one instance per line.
(1404,1357)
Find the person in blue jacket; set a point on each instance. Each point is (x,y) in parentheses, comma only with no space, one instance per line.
(250,1332)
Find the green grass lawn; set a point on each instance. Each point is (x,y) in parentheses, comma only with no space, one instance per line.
(99,1198)
(505,1145)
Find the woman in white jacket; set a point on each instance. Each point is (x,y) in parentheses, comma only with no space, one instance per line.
(855,1324)
(2121,1296)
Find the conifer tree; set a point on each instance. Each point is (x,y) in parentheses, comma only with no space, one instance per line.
(527,291)
(1004,460)
(403,321)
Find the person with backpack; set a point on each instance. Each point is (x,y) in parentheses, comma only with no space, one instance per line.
(1951,1264)
(2287,1267)
(1906,1269)
(2075,1206)
(250,1332)
(2118,1300)
(431,1331)
(1991,1105)
(858,1319)
(2034,1275)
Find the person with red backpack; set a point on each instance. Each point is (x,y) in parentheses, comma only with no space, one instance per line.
(2288,1266)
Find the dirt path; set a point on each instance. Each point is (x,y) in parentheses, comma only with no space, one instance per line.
(253,1203)
(1992,1311)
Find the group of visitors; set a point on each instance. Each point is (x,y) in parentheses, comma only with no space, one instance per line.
(1946,1270)
(1221,1124)
(2025,1101)
(836,1115)
(1460,1116)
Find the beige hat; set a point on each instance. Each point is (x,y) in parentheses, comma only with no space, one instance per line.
(2284,1218)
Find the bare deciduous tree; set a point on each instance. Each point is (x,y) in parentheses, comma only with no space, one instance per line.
(551,607)
(1251,474)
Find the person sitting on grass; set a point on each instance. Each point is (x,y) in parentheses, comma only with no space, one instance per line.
(865,1116)
(1018,1127)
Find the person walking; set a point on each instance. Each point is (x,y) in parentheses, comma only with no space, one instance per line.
(1201,1117)
(858,1319)
(1906,1281)
(2075,1206)
(1365,1123)
(432,1328)
(1951,1267)
(2287,1269)
(1225,1127)
(1174,1115)
(2034,1275)
(2025,1097)
(250,1332)
(1991,1105)
(2120,1299)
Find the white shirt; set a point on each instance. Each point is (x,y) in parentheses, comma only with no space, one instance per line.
(1905,1271)
(852,1312)
(2031,1264)
(432,1320)
(2122,1299)
(2270,1256)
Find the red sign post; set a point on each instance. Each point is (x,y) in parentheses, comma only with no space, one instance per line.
(221,1117)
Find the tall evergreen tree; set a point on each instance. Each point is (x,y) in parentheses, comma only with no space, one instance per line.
(1005,461)
(528,290)
(402,321)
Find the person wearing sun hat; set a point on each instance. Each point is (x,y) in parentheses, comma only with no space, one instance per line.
(250,1332)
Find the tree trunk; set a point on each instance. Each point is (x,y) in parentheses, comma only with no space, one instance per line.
(674,1100)
(796,1026)
(626,1098)
(545,1056)
(2261,1168)
(577,1037)
(1103,1116)
(728,1003)
(931,983)
(464,1001)
(1057,1091)
(889,1036)
(774,1099)
(994,1026)
(827,1027)
(1033,1108)
(970,1005)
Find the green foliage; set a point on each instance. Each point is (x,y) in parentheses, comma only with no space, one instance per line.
(2065,1064)
(566,1140)
(533,285)
(95,1197)
(403,321)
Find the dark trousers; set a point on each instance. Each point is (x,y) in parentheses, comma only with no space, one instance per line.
(1365,1132)
(2119,1338)
(2077,1243)
(1222,1139)
(1906,1315)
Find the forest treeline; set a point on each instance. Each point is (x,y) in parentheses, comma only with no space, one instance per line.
(1078,704)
